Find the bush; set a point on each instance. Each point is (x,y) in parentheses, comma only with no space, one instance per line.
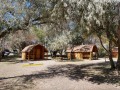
(102,52)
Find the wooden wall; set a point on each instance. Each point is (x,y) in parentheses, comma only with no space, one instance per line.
(23,56)
(115,54)
(80,55)
(36,53)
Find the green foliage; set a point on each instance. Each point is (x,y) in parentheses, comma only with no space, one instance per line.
(41,34)
(102,52)
(77,38)
(60,41)
(90,17)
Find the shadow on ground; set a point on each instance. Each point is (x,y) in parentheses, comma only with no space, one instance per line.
(95,73)
(13,59)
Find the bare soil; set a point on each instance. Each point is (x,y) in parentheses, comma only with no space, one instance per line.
(58,75)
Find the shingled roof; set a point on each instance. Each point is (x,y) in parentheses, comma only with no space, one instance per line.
(83,48)
(30,47)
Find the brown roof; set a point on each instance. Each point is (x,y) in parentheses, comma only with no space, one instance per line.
(82,48)
(115,49)
(30,47)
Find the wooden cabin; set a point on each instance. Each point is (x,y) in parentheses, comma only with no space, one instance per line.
(115,52)
(83,52)
(34,52)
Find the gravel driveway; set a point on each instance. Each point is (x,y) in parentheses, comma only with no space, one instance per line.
(52,75)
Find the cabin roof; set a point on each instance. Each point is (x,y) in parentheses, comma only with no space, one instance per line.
(30,47)
(83,48)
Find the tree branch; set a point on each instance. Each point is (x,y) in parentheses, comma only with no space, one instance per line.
(102,44)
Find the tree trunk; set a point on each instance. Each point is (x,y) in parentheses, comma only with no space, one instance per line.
(111,61)
(110,55)
(118,61)
(109,52)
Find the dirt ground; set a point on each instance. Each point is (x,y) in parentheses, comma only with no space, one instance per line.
(54,75)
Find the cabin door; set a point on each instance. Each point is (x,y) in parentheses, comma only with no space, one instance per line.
(37,53)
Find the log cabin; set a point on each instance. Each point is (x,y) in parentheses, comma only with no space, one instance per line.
(83,52)
(34,52)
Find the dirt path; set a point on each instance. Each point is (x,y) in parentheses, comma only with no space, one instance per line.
(52,75)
